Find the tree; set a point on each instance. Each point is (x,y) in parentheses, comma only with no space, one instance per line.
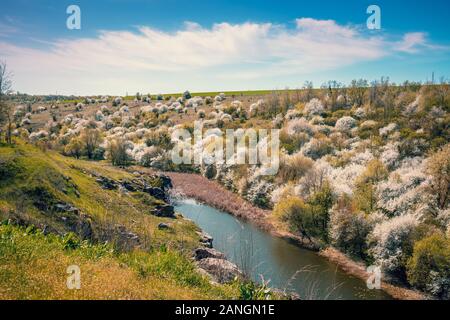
(308,219)
(296,214)
(348,228)
(365,185)
(117,152)
(308,89)
(91,139)
(74,148)
(357,91)
(428,268)
(6,113)
(320,203)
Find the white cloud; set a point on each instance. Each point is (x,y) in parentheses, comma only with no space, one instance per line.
(412,42)
(115,59)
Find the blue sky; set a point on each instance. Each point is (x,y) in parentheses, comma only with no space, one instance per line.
(169,46)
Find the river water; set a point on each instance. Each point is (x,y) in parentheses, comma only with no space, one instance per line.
(264,256)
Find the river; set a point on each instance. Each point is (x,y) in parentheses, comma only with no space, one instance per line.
(264,256)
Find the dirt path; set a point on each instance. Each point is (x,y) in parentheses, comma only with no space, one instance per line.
(212,193)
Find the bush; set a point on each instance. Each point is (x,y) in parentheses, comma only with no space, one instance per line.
(187,95)
(74,148)
(117,152)
(296,214)
(364,194)
(98,154)
(429,267)
(91,138)
(294,167)
(389,243)
(345,124)
(307,219)
(348,228)
(439,168)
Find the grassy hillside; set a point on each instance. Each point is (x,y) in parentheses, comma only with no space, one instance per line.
(32,181)
(62,216)
(34,265)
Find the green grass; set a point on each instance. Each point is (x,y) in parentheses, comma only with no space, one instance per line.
(29,175)
(34,266)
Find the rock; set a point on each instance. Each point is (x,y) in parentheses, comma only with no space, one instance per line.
(129,186)
(163,226)
(166,182)
(164,210)
(125,239)
(206,239)
(222,271)
(203,253)
(65,207)
(155,192)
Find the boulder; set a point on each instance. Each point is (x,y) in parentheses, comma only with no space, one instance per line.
(206,239)
(164,210)
(65,207)
(203,253)
(126,240)
(129,186)
(107,184)
(221,270)
(166,182)
(163,226)
(156,192)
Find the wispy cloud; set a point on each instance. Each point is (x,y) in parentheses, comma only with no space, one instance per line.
(415,42)
(243,51)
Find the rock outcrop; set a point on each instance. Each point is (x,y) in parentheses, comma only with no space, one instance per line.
(203,253)
(221,270)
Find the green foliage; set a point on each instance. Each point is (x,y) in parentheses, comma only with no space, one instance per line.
(364,195)
(429,267)
(320,203)
(9,168)
(248,290)
(71,241)
(117,151)
(308,219)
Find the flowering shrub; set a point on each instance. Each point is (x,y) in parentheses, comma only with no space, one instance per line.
(385,131)
(388,240)
(348,229)
(345,124)
(313,107)
(301,125)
